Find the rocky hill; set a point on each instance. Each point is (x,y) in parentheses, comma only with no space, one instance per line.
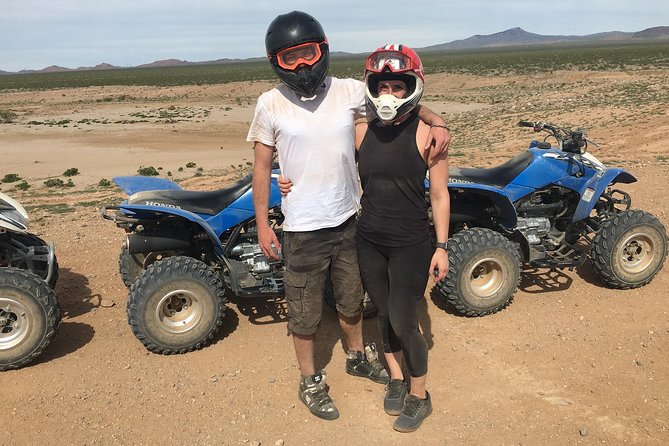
(509,37)
(518,36)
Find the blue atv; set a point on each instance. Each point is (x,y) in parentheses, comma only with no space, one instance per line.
(548,207)
(184,250)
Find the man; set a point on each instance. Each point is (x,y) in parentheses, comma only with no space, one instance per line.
(309,121)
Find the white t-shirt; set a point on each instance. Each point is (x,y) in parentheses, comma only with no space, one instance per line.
(316,146)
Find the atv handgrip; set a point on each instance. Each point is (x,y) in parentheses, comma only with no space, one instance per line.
(526,124)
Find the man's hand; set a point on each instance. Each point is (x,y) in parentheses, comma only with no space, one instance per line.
(440,138)
(284,185)
(268,242)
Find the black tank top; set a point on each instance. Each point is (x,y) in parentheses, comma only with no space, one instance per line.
(392,172)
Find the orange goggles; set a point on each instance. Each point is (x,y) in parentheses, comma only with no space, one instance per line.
(305,54)
(396,61)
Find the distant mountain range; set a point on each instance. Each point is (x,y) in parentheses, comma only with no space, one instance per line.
(510,37)
(518,36)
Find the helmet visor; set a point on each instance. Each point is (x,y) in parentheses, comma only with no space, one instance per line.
(305,54)
(394,60)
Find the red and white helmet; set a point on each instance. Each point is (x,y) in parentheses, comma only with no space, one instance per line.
(393,62)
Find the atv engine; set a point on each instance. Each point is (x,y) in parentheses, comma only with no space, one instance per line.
(252,272)
(253,256)
(534,229)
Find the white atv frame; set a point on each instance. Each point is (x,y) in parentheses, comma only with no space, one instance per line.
(29,310)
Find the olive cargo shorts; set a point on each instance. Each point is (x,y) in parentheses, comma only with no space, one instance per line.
(311,258)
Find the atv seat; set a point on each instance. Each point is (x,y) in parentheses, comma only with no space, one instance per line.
(208,203)
(498,176)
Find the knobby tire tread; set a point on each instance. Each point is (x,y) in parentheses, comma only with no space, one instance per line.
(459,246)
(39,289)
(605,240)
(152,277)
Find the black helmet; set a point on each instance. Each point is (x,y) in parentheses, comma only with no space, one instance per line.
(298,29)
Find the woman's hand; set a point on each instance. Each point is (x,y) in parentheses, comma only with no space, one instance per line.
(439,265)
(284,185)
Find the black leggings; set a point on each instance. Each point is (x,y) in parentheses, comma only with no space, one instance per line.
(395,278)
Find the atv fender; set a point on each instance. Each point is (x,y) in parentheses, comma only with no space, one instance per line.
(138,183)
(133,210)
(593,189)
(506,213)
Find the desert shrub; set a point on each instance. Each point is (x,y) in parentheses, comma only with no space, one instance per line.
(190,164)
(23,185)
(147,171)
(72,171)
(104,183)
(54,182)
(11,178)
(7,116)
(69,183)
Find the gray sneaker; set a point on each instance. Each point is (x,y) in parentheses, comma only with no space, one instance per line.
(396,391)
(367,364)
(313,393)
(413,413)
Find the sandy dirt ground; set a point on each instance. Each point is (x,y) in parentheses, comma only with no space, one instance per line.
(568,362)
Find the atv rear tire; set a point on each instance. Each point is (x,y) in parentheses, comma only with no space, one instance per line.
(29,317)
(483,273)
(630,249)
(130,266)
(176,306)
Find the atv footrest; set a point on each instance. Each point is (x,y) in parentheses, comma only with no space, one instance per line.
(566,256)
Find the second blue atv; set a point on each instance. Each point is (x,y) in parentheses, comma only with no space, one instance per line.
(548,207)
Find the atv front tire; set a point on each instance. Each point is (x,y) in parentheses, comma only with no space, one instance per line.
(29,317)
(483,273)
(630,249)
(176,306)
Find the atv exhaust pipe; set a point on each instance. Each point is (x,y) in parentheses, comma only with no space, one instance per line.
(138,243)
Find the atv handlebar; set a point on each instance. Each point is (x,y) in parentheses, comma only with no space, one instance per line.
(573,141)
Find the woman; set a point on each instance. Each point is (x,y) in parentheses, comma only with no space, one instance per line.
(394,247)
(395,251)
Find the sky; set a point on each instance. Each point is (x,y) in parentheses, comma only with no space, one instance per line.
(76,33)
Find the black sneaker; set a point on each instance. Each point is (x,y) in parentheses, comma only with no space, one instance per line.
(413,413)
(314,394)
(396,391)
(367,364)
